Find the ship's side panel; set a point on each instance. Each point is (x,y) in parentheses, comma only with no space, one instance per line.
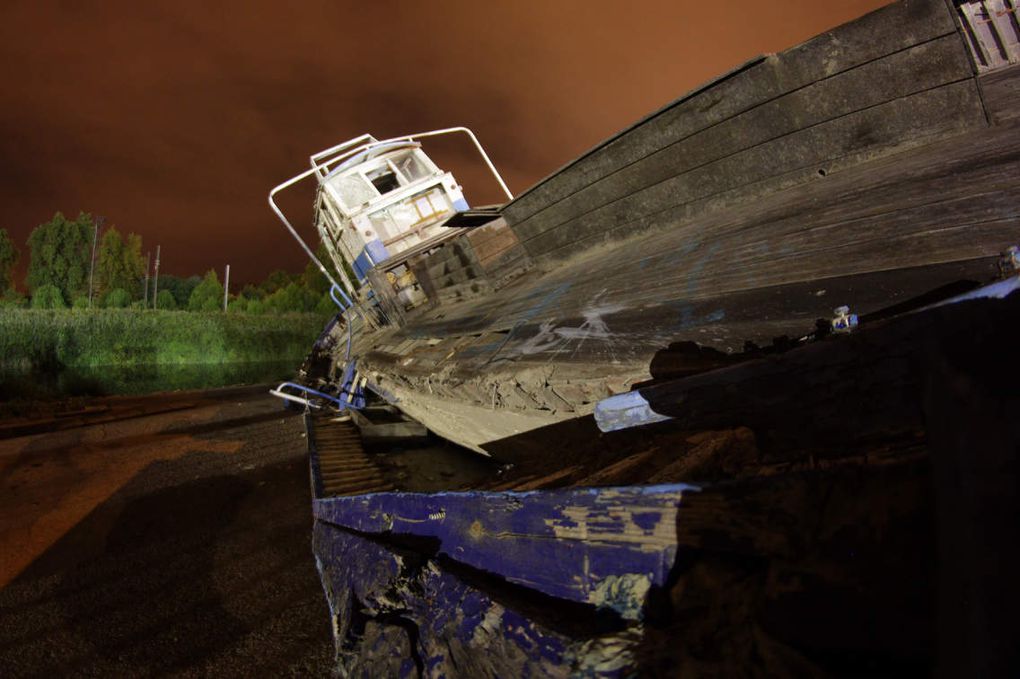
(896,78)
(805,155)
(499,251)
(890,29)
(1001,93)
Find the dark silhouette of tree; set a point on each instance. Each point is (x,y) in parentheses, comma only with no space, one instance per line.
(48,297)
(60,253)
(120,263)
(207,295)
(277,280)
(180,288)
(118,298)
(165,301)
(8,258)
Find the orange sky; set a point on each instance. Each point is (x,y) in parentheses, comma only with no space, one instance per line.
(173,120)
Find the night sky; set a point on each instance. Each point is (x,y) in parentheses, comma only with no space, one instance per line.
(173,120)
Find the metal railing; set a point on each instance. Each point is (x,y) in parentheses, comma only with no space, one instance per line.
(341,152)
(321,161)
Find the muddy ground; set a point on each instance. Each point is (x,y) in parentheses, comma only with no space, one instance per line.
(159,535)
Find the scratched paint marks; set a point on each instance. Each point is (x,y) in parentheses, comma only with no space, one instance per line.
(563,543)
(554,339)
(401,613)
(455,627)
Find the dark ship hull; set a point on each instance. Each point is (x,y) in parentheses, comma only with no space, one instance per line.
(867,167)
(695,463)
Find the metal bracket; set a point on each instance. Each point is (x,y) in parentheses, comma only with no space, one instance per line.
(843,321)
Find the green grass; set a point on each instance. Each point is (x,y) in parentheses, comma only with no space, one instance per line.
(51,339)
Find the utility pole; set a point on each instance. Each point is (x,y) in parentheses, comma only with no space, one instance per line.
(148,264)
(155,279)
(98,222)
(226,286)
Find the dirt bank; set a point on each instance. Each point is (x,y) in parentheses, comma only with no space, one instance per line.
(168,541)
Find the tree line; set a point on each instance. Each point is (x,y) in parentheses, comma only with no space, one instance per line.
(61,263)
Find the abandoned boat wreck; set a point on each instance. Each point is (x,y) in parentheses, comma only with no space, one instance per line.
(711,360)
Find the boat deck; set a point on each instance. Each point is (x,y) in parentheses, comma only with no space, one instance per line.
(870,237)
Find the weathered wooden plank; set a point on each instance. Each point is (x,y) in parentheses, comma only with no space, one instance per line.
(950,169)
(467,273)
(956,167)
(1001,91)
(968,166)
(928,115)
(885,31)
(604,547)
(498,264)
(419,267)
(497,243)
(554,478)
(961,228)
(387,298)
(924,67)
(491,230)
(462,291)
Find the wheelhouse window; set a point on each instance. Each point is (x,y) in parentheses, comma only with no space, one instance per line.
(355,191)
(384,180)
(412,168)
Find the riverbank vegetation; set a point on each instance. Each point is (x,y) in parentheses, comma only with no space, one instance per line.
(75,263)
(91,300)
(49,340)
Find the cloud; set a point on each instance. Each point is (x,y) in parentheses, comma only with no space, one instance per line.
(174,120)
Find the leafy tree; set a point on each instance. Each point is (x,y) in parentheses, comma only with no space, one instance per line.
(80,302)
(120,263)
(277,280)
(8,258)
(207,295)
(61,250)
(313,279)
(326,306)
(289,299)
(118,298)
(180,288)
(48,297)
(250,291)
(165,300)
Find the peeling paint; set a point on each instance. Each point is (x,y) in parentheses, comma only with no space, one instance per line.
(624,594)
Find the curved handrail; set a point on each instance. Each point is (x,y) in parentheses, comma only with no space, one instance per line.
(350,330)
(306,390)
(345,151)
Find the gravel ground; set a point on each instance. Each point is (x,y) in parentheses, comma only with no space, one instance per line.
(199,564)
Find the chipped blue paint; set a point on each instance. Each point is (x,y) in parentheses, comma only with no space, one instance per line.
(647,520)
(624,411)
(570,543)
(456,623)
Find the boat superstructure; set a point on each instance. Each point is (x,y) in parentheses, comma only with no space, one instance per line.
(376,199)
